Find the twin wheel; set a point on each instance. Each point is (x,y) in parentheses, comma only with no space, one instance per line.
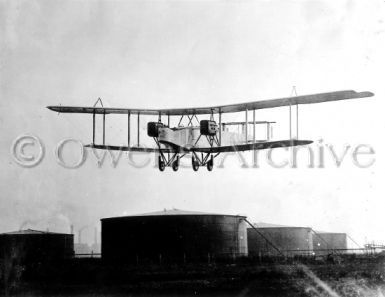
(162,164)
(209,164)
(195,164)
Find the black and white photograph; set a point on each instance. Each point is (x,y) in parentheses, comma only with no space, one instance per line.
(226,148)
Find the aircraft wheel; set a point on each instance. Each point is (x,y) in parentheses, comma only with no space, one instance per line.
(195,164)
(161,164)
(175,164)
(210,164)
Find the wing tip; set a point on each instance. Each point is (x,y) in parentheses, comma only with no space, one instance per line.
(305,142)
(367,94)
(53,108)
(362,94)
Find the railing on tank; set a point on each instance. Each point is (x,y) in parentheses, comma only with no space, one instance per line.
(88,255)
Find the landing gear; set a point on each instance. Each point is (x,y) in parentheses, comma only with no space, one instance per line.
(210,164)
(196,161)
(195,164)
(175,164)
(161,164)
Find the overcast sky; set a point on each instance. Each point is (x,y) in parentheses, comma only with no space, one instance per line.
(160,54)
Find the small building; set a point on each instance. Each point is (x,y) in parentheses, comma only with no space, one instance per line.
(272,240)
(82,249)
(33,246)
(173,236)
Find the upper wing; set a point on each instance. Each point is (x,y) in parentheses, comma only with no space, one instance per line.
(306,99)
(213,150)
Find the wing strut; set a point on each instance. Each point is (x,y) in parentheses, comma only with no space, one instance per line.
(246,124)
(253,125)
(138,128)
(128,128)
(93,128)
(293,93)
(290,136)
(104,128)
(180,121)
(297,121)
(220,128)
(254,152)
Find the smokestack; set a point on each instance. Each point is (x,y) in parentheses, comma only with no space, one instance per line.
(80,233)
(96,236)
(72,229)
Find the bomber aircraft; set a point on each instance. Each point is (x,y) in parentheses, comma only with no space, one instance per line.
(205,139)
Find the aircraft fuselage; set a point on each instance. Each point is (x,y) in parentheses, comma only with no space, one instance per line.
(191,137)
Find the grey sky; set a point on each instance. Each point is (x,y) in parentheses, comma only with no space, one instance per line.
(191,53)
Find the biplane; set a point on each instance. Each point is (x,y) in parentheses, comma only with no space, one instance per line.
(205,138)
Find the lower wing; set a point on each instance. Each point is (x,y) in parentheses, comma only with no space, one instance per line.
(252,146)
(133,148)
(213,150)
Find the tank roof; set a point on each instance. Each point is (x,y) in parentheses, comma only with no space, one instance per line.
(326,232)
(31,231)
(267,225)
(175,212)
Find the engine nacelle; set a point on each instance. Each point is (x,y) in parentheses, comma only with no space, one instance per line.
(209,128)
(153,129)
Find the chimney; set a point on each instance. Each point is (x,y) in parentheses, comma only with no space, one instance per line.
(72,229)
(96,236)
(80,236)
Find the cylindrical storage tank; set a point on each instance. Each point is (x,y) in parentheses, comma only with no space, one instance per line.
(173,236)
(34,246)
(272,241)
(325,242)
